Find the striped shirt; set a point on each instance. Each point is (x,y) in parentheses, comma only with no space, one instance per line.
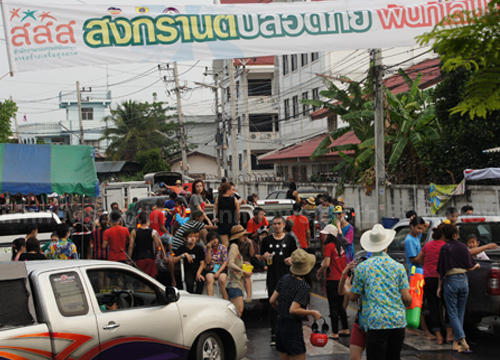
(179,235)
(98,252)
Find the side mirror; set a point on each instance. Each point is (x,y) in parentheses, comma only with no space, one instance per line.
(172,294)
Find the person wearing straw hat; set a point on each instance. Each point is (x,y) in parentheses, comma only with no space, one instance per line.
(310,203)
(347,231)
(290,299)
(383,285)
(236,274)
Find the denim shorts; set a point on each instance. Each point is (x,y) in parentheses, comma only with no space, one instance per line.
(233,293)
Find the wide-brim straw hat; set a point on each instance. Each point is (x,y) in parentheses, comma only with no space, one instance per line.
(311,201)
(302,262)
(377,239)
(237,232)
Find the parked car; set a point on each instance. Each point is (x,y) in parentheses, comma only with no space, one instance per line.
(107,310)
(484,295)
(13,226)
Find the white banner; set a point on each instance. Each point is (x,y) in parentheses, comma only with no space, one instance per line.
(43,36)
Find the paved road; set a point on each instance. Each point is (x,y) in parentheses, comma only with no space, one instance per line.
(483,338)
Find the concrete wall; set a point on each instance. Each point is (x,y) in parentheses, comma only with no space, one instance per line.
(400,199)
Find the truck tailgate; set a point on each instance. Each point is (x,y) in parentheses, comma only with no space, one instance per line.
(480,302)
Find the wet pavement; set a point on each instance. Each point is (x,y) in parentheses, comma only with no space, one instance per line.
(484,338)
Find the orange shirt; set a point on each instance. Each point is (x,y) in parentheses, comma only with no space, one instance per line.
(252,225)
(300,227)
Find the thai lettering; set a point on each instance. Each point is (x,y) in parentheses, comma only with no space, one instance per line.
(41,34)
(171,28)
(427,15)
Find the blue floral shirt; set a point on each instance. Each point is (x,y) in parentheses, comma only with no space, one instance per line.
(379,281)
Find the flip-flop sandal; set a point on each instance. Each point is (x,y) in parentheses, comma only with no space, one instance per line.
(344,334)
(464,351)
(333,338)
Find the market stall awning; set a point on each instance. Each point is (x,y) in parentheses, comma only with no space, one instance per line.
(45,169)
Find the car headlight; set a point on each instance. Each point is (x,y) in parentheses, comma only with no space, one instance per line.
(233,309)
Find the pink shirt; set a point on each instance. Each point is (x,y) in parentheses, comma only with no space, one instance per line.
(431,252)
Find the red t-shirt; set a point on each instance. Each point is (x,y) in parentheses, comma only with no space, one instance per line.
(252,225)
(157,218)
(337,262)
(431,251)
(117,242)
(300,227)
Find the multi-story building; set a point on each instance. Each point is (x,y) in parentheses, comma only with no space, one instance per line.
(94,105)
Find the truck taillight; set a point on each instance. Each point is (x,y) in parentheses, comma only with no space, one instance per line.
(317,226)
(493,282)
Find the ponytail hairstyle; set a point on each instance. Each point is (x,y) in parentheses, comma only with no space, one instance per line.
(333,239)
(437,232)
(17,245)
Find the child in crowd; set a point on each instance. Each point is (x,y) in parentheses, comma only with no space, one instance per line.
(193,256)
(451,216)
(477,251)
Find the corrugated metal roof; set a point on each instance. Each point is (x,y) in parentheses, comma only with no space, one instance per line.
(305,149)
(109,166)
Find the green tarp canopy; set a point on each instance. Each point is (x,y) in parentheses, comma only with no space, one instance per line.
(47,169)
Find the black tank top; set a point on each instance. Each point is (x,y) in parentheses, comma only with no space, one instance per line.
(227,211)
(143,247)
(289,194)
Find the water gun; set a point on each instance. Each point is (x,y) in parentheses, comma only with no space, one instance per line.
(417,295)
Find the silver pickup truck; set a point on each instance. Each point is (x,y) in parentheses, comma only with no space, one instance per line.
(105,310)
(484,283)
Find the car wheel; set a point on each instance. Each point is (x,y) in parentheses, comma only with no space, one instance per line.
(209,347)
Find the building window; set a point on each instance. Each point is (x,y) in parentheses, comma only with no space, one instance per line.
(285,65)
(295,101)
(240,162)
(304,59)
(263,123)
(257,166)
(230,163)
(315,95)
(287,108)
(237,89)
(295,62)
(238,121)
(87,113)
(260,87)
(305,107)
(228,94)
(314,56)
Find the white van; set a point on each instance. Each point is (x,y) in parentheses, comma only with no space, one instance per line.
(13,226)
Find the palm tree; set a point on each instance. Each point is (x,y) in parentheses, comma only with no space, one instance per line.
(138,127)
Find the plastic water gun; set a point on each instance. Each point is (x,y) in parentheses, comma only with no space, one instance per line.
(417,295)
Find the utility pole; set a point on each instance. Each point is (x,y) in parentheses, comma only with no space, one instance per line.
(16,125)
(246,122)
(79,97)
(234,126)
(379,134)
(224,130)
(181,120)
(217,121)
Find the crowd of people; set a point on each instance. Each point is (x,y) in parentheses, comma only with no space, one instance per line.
(191,251)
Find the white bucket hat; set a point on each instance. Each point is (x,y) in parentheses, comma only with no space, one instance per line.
(330,229)
(377,239)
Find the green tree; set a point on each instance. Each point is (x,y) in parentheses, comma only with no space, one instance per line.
(7,110)
(461,143)
(473,47)
(140,127)
(410,118)
(152,161)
